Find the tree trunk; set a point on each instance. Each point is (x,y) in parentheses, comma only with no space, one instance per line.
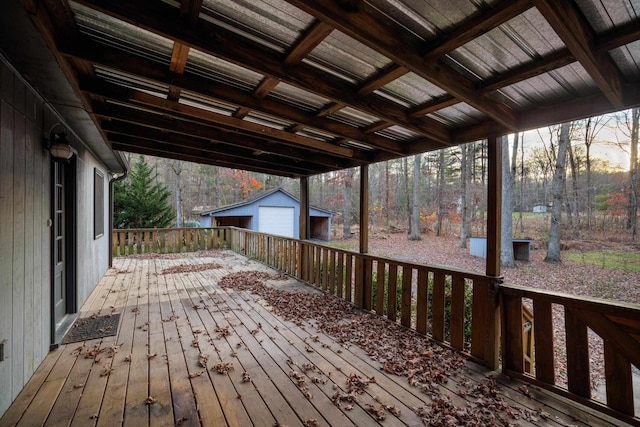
(387,208)
(440,213)
(557,188)
(405,174)
(346,215)
(464,206)
(506,243)
(176,166)
(415,207)
(633,174)
(575,205)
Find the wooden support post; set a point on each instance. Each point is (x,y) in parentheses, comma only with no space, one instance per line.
(486,314)
(305,230)
(363,269)
(494,210)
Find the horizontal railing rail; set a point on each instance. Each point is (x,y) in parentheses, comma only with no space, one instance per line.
(616,324)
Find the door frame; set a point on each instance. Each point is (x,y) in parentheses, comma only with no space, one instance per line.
(70,250)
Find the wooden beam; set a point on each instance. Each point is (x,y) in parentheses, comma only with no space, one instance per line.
(153,151)
(576,33)
(132,64)
(385,38)
(179,56)
(494,203)
(205,117)
(364,210)
(221,147)
(464,33)
(434,105)
(190,9)
(312,37)
(375,127)
(264,87)
(560,113)
(220,42)
(229,136)
(388,74)
(476,26)
(305,225)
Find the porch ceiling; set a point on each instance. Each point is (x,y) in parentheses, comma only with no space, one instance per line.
(301,87)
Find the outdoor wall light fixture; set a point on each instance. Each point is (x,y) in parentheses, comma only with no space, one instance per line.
(58,145)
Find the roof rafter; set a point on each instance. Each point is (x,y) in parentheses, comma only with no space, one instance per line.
(132,64)
(219,42)
(385,38)
(223,141)
(150,148)
(207,147)
(567,21)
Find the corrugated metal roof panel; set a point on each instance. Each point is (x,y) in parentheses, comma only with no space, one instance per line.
(562,84)
(219,70)
(113,32)
(296,97)
(398,133)
(514,43)
(344,55)
(604,15)
(275,23)
(458,115)
(628,59)
(209,104)
(429,18)
(132,81)
(353,117)
(412,89)
(267,120)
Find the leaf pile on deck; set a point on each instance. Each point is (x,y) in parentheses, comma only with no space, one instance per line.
(190,268)
(400,351)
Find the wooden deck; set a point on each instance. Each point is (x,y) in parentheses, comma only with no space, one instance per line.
(283,373)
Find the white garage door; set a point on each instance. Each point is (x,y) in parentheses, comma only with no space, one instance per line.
(276,220)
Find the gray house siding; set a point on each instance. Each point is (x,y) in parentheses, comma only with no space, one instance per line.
(25,232)
(250,209)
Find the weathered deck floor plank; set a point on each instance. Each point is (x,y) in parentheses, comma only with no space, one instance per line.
(177,325)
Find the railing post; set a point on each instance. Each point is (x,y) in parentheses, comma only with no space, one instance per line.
(363,269)
(485,330)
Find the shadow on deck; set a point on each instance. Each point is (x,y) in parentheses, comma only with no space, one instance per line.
(192,351)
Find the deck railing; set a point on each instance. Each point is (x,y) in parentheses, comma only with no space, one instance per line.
(461,309)
(616,324)
(441,302)
(168,240)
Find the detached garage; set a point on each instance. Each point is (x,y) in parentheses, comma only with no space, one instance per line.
(275,212)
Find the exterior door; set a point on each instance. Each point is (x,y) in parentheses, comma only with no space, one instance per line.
(59,291)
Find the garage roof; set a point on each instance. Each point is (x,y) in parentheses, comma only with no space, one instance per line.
(302,87)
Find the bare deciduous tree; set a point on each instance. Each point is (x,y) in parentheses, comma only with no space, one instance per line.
(557,190)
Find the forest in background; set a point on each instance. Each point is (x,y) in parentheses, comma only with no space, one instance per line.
(444,192)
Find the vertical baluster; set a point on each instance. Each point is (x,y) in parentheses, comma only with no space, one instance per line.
(421,300)
(456,329)
(543,337)
(380,287)
(577,354)
(438,306)
(619,380)
(405,313)
(512,333)
(392,292)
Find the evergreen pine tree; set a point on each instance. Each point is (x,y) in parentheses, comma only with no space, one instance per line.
(141,201)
